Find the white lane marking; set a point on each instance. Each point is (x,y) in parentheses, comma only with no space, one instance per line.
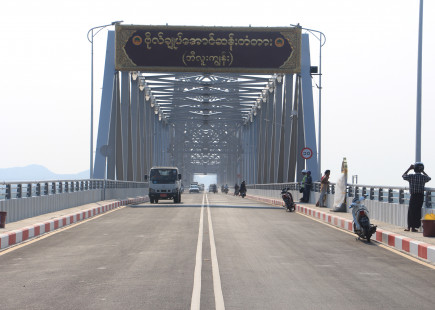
(217,286)
(196,293)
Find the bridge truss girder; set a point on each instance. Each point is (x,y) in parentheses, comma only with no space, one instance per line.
(239,126)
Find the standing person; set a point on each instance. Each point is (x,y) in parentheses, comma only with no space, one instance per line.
(307,187)
(416,188)
(323,188)
(304,173)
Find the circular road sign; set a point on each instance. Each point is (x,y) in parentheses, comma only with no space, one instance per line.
(306,153)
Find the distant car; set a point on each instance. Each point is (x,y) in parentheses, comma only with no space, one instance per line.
(194,189)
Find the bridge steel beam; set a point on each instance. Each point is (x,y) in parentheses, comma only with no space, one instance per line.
(278,104)
(287,123)
(308,108)
(269,138)
(125,127)
(141,157)
(106,103)
(135,146)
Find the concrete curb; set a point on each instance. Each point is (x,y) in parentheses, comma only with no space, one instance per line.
(20,235)
(416,248)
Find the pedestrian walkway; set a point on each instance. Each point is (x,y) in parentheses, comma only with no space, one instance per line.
(20,231)
(413,243)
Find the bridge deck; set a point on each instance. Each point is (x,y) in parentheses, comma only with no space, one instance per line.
(387,233)
(146,256)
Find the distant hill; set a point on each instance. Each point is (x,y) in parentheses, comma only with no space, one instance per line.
(37,173)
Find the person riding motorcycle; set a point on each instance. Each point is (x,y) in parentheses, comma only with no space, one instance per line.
(243,188)
(236,189)
(225,189)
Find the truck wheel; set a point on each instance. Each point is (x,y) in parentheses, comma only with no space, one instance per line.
(152,200)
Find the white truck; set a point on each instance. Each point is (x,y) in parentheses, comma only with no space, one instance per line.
(164,183)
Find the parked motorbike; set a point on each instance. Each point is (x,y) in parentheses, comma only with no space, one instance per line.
(288,199)
(361,221)
(225,190)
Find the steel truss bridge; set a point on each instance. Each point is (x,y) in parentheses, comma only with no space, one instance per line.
(239,126)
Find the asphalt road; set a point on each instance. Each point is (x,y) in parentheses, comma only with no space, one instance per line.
(249,256)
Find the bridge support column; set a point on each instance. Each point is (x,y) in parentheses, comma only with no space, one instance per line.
(278,128)
(105,110)
(308,108)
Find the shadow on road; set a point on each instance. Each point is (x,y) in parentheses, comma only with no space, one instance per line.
(181,205)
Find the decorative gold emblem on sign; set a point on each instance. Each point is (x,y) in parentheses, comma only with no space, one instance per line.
(137,40)
(279,42)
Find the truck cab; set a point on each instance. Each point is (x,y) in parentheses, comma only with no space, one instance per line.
(164,183)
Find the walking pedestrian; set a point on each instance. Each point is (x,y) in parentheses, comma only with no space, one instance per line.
(416,188)
(323,189)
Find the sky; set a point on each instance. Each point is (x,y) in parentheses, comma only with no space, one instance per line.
(369,83)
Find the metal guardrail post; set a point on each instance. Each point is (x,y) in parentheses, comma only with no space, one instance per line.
(428,199)
(401,196)
(19,190)
(8,191)
(29,190)
(390,195)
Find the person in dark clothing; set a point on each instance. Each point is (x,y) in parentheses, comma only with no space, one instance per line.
(243,188)
(307,187)
(236,189)
(416,188)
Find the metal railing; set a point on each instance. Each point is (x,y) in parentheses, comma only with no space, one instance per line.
(387,194)
(26,189)
(26,199)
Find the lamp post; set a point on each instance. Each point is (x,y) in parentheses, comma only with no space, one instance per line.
(321,43)
(419,65)
(91,36)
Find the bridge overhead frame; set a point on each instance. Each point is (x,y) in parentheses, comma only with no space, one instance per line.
(238,126)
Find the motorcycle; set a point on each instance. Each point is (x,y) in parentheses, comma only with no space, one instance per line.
(288,199)
(225,190)
(361,221)
(243,193)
